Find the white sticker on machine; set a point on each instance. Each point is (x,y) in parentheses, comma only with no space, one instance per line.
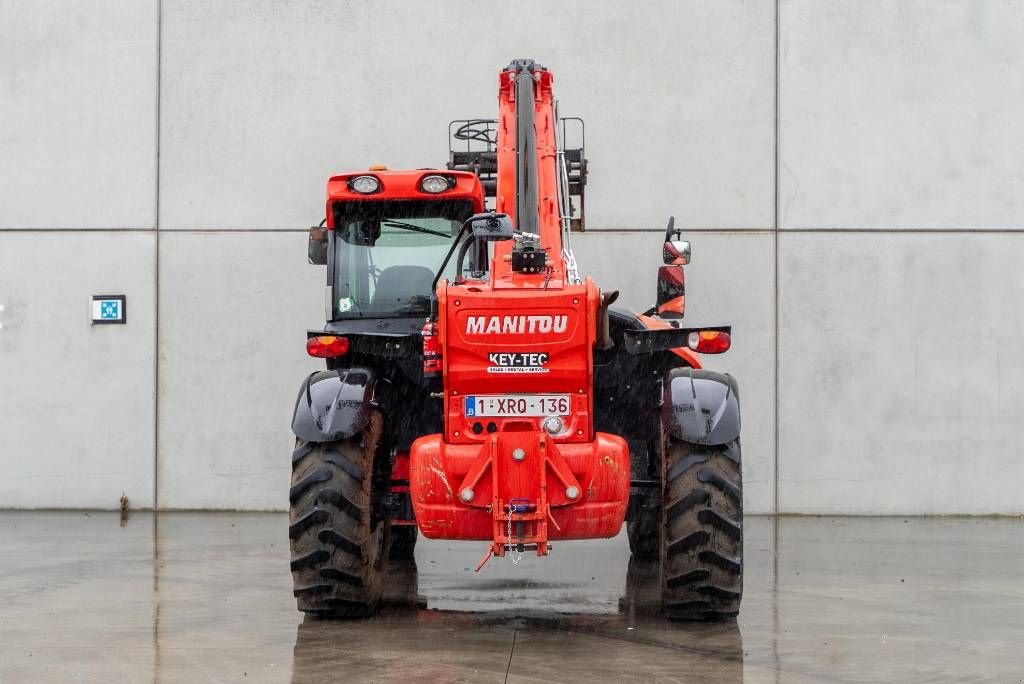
(517,362)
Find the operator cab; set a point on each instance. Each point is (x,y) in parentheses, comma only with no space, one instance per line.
(386,254)
(386,236)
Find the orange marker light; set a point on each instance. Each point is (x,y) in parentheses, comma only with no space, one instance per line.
(709,341)
(327,346)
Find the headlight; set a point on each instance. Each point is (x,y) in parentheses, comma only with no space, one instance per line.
(366,185)
(436,184)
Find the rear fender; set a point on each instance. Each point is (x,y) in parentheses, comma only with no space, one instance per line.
(334,404)
(701,406)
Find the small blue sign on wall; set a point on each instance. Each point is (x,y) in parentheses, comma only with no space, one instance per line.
(109,309)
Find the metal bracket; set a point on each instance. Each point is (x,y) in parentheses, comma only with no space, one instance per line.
(647,341)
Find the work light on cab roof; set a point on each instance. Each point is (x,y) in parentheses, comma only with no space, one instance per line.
(365,185)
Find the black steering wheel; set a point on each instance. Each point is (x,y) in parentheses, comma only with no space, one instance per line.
(479,130)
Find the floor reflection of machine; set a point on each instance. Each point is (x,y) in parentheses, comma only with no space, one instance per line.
(407,640)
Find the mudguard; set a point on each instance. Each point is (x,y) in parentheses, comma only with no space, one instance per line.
(701,406)
(334,404)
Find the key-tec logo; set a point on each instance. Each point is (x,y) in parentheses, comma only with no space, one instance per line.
(517,362)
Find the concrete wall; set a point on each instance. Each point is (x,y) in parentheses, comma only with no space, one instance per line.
(849,174)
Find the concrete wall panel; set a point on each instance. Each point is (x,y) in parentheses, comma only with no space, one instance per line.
(234,310)
(901,366)
(729,282)
(217,452)
(901,114)
(78,114)
(262,101)
(76,399)
(902,359)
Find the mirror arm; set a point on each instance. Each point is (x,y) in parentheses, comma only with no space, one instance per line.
(671,229)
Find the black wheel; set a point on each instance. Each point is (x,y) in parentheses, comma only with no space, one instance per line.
(403,541)
(702,544)
(339,547)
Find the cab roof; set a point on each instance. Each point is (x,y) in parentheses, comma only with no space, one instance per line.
(397,185)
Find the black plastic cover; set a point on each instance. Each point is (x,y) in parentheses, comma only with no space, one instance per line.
(491,226)
(334,404)
(701,406)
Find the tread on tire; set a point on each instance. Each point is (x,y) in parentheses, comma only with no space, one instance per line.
(339,550)
(702,531)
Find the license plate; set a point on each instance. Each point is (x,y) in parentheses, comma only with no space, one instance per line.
(515,405)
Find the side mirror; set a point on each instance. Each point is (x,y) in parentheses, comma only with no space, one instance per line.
(676,252)
(318,245)
(671,300)
(491,226)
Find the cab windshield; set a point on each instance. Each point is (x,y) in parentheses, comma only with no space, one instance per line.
(387,252)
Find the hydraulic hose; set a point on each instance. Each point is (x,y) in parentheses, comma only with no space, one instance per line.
(462,256)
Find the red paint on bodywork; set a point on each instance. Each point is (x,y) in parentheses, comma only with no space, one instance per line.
(404,185)
(467,366)
(560,324)
(441,472)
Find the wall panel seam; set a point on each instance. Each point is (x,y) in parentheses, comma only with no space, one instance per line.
(77,230)
(653,231)
(775,278)
(156,267)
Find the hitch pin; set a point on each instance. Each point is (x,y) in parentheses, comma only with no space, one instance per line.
(483,561)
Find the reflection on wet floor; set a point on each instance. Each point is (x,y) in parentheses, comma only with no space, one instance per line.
(207,597)
(437,645)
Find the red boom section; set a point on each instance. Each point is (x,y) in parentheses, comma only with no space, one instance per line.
(547,180)
(519,463)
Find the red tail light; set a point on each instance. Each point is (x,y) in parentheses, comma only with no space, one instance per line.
(432,366)
(709,341)
(327,346)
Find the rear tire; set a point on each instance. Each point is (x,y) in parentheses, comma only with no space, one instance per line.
(339,548)
(702,531)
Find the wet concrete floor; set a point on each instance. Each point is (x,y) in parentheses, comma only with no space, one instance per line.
(192,597)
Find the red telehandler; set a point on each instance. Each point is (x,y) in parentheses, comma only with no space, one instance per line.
(478,387)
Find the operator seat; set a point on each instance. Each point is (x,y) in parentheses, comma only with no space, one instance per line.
(397,285)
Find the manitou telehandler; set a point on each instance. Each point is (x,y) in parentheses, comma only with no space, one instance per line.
(478,387)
